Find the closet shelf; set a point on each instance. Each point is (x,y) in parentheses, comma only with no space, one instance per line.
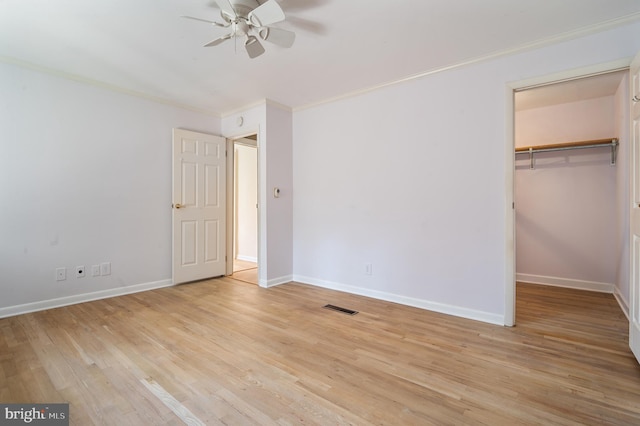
(598,143)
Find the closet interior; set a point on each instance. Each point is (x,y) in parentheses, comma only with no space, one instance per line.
(571,183)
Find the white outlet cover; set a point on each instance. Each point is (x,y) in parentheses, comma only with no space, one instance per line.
(95,270)
(61,274)
(105,268)
(368,269)
(80,271)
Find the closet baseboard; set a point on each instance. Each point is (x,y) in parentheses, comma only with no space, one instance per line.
(566,282)
(622,301)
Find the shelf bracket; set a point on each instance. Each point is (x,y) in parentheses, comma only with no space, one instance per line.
(532,166)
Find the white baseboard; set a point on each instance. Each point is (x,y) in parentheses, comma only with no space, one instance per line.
(81,298)
(404,300)
(566,282)
(624,305)
(276,281)
(247,258)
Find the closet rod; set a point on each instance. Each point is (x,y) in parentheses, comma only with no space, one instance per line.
(598,143)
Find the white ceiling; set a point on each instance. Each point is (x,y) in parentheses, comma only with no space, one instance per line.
(341,46)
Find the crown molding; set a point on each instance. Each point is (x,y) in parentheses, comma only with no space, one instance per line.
(101,84)
(262,102)
(544,42)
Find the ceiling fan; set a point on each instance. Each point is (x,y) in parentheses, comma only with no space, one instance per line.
(249,17)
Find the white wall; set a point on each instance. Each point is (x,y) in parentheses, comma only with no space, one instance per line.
(575,121)
(411,178)
(279,174)
(246,190)
(85,178)
(566,207)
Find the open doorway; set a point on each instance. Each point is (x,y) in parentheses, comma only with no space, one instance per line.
(245,209)
(571,204)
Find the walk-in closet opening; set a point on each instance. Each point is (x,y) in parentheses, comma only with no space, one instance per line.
(572,184)
(245,209)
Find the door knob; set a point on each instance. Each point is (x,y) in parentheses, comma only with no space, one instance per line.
(635,98)
(178,206)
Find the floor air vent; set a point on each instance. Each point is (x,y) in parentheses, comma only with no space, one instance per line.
(339,309)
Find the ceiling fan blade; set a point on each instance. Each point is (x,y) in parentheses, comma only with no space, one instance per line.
(278,36)
(226,8)
(218,24)
(218,40)
(266,14)
(253,46)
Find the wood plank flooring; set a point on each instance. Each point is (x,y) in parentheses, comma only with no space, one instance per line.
(245,271)
(243,265)
(224,352)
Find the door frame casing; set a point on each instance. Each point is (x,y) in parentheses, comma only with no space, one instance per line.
(238,172)
(510,212)
(634,169)
(230,195)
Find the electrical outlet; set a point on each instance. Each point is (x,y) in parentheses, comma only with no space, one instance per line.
(105,268)
(80,271)
(61,274)
(95,270)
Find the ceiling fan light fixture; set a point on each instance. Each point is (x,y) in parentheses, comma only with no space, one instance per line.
(254,21)
(253,47)
(277,36)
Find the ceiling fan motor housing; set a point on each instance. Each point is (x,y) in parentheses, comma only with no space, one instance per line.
(242,8)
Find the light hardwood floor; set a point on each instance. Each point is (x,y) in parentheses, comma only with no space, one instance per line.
(243,265)
(223,352)
(245,271)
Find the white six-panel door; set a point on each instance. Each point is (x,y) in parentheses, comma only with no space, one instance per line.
(634,323)
(199,206)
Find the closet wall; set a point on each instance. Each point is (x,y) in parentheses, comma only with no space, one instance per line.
(568,224)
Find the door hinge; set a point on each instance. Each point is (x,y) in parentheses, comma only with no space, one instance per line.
(513,205)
